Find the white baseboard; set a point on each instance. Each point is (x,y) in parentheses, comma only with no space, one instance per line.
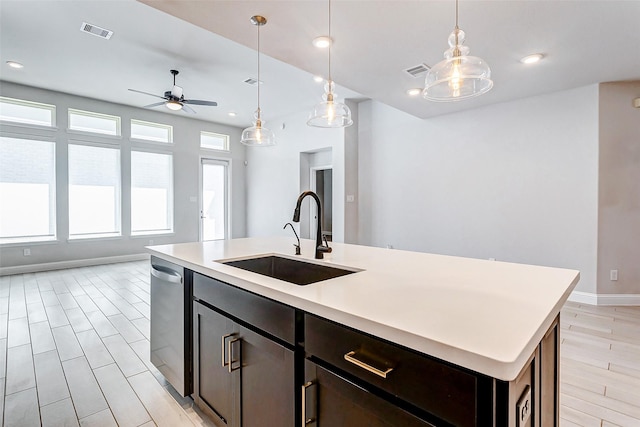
(47,266)
(604,299)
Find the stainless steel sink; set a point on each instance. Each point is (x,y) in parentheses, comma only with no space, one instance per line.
(289,270)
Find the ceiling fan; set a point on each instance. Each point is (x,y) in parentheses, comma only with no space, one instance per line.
(174,98)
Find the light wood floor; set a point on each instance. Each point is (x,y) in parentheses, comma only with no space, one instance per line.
(74,349)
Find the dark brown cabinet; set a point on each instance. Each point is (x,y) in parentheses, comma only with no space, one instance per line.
(242,377)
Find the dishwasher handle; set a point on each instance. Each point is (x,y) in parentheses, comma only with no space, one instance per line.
(165,274)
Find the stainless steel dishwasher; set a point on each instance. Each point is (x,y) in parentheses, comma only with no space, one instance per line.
(171,323)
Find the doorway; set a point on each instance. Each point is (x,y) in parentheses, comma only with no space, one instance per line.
(321,183)
(214,199)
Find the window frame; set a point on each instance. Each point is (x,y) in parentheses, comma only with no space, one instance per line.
(53,202)
(118,216)
(170,207)
(23,102)
(93,114)
(151,124)
(226,137)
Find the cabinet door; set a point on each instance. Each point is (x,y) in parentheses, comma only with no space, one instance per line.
(216,390)
(332,401)
(268,381)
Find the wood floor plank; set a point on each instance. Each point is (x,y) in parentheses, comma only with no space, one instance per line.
(59,414)
(125,357)
(125,405)
(78,320)
(96,353)
(66,343)
(85,392)
(50,380)
(21,409)
(18,332)
(99,419)
(20,374)
(56,316)
(128,331)
(163,409)
(41,337)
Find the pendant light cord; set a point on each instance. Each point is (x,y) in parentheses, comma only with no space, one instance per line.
(330,41)
(258,83)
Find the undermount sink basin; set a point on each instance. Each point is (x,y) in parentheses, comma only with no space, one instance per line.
(289,270)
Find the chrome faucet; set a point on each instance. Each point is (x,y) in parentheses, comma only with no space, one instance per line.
(294,232)
(320,248)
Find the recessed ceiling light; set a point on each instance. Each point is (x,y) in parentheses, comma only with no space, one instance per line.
(318,79)
(232,113)
(414,92)
(322,42)
(14,64)
(532,59)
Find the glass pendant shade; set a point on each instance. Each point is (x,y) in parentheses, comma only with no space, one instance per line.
(329,113)
(258,136)
(459,76)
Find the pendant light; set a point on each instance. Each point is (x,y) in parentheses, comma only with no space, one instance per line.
(257,135)
(329,113)
(459,76)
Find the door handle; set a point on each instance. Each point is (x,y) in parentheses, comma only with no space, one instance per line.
(230,350)
(349,357)
(165,274)
(306,420)
(223,351)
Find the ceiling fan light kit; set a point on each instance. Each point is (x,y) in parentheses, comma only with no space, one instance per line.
(459,76)
(257,135)
(174,98)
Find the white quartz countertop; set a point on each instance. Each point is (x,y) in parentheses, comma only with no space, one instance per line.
(486,316)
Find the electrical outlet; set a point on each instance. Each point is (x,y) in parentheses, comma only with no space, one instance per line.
(351,198)
(492,259)
(26,252)
(613,275)
(389,246)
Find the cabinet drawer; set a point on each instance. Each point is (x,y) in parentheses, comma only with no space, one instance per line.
(270,316)
(438,388)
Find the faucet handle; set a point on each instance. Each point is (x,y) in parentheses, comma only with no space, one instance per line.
(297,249)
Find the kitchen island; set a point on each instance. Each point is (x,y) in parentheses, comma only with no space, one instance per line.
(483,319)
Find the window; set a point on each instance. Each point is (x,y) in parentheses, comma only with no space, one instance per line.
(27,190)
(215,141)
(94,191)
(151,192)
(151,131)
(86,121)
(25,112)
(214,220)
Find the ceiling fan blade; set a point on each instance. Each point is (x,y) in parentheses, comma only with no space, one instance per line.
(147,93)
(154,105)
(199,102)
(188,109)
(176,91)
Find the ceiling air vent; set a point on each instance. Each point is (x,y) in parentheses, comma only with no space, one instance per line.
(251,81)
(96,31)
(418,70)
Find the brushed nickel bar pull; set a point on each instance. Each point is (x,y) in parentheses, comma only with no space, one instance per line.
(230,348)
(349,358)
(223,350)
(306,421)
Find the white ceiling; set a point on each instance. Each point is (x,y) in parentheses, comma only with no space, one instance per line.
(585,42)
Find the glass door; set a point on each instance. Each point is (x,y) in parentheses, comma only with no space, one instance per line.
(214,198)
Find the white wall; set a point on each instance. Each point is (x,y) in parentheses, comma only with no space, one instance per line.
(516,181)
(273,175)
(186,159)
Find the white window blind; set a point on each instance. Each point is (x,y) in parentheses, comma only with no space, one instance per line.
(151,192)
(94,191)
(27,190)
